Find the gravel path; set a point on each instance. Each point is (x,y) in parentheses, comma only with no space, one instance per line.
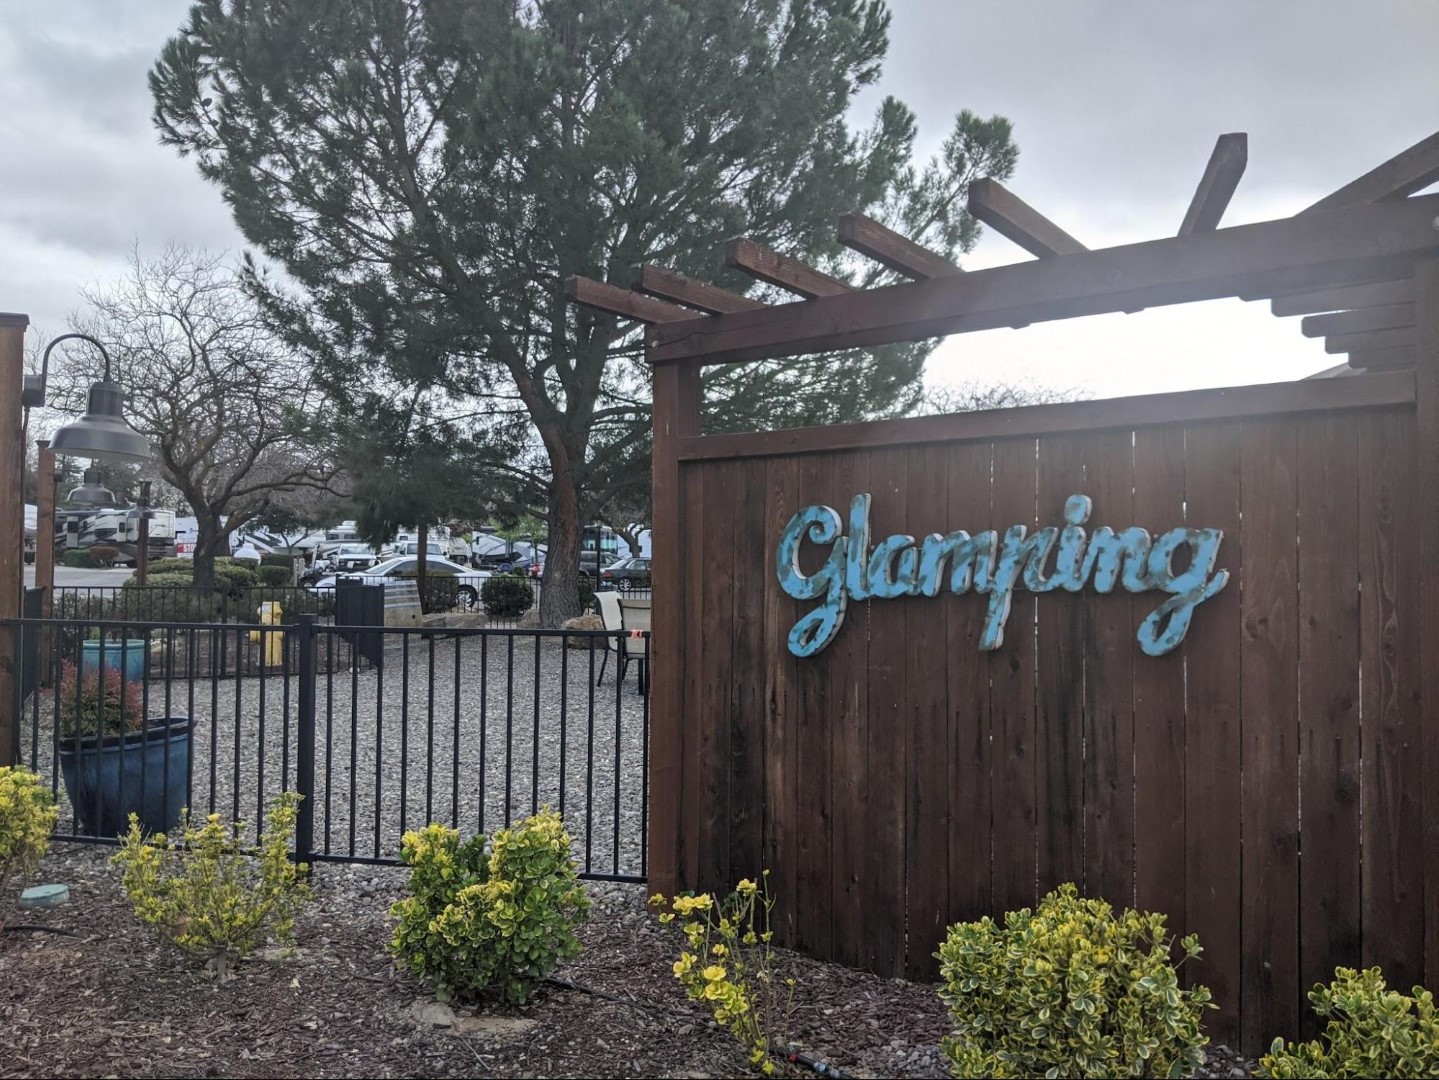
(473,731)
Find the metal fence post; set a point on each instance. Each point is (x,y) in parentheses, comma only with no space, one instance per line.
(305,741)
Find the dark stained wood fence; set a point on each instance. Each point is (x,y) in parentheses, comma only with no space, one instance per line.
(901,779)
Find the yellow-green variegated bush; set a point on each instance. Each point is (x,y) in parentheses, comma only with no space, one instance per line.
(1070,990)
(1372,1031)
(27,816)
(489,919)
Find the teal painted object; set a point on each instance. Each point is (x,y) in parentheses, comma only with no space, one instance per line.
(44,896)
(127,657)
(994,565)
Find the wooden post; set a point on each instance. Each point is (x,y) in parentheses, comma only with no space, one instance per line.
(12,516)
(142,542)
(1426,402)
(422,555)
(45,525)
(677,396)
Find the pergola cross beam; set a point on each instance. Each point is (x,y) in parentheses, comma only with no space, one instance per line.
(889,248)
(1010,216)
(1217,185)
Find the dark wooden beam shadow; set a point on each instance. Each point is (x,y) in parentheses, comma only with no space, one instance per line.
(1354,322)
(1370,339)
(1346,298)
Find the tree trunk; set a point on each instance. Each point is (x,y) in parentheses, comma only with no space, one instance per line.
(560,583)
(208,540)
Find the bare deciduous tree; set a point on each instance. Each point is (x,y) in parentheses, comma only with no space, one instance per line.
(231,411)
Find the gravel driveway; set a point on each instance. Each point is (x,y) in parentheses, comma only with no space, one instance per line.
(474,731)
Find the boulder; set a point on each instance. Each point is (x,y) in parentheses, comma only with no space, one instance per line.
(531,621)
(583,622)
(457,620)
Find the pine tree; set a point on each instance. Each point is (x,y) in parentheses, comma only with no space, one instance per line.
(428,172)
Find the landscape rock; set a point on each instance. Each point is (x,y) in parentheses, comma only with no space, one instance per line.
(457,620)
(583,622)
(430,1013)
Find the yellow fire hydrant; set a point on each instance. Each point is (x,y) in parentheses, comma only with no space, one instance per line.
(270,613)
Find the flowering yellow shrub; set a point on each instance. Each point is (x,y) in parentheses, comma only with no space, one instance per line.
(206,895)
(489,918)
(729,965)
(1070,990)
(27,817)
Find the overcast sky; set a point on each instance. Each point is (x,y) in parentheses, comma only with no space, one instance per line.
(1116,106)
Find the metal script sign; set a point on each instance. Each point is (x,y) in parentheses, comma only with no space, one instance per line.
(986,563)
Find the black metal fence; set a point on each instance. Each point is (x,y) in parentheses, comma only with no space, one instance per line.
(475,728)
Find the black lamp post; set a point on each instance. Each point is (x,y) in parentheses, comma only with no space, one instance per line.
(103,431)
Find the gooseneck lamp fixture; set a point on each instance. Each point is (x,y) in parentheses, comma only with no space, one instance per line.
(103,432)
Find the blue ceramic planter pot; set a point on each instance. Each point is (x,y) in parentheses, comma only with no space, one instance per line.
(127,657)
(143,772)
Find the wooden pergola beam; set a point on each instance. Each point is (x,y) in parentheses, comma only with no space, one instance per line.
(624,303)
(1390,359)
(1009,215)
(1346,298)
(894,250)
(1369,339)
(1405,173)
(1216,186)
(1354,322)
(672,285)
(767,264)
(1375,242)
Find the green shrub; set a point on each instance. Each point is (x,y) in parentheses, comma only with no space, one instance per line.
(233,580)
(206,895)
(730,967)
(161,579)
(1372,1031)
(81,605)
(489,919)
(441,592)
(78,559)
(27,816)
(274,559)
(275,576)
(587,593)
(505,596)
(171,566)
(1070,990)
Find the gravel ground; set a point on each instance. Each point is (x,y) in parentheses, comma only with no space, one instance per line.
(514,727)
(109,1001)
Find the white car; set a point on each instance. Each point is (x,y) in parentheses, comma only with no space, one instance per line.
(470,581)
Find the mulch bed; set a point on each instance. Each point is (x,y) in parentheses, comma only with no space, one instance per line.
(112,1002)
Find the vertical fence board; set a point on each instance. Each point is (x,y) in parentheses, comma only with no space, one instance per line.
(1109,689)
(692,718)
(1270,732)
(884,876)
(927,746)
(716,585)
(971,849)
(1393,872)
(748,752)
(1328,700)
(781,703)
(1212,805)
(1062,622)
(815,817)
(1160,762)
(845,738)
(1011,677)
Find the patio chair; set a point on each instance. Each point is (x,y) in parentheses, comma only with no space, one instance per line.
(613,619)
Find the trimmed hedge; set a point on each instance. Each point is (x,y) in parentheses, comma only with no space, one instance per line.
(274,559)
(275,575)
(507,595)
(77,559)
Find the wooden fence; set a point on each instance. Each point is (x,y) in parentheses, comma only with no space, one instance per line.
(1261,784)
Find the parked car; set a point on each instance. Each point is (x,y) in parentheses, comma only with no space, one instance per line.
(412,547)
(632,573)
(587,564)
(348,558)
(470,581)
(503,562)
